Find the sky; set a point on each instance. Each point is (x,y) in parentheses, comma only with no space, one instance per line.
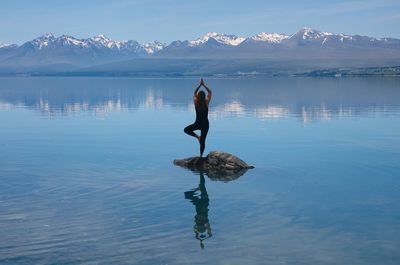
(168,20)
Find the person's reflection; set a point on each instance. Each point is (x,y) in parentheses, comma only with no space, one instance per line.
(199,198)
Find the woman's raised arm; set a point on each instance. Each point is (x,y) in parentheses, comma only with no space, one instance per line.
(209,94)
(195,91)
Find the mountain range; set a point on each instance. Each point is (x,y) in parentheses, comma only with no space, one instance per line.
(67,53)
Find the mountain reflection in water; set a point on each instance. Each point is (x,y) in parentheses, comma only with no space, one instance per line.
(308,99)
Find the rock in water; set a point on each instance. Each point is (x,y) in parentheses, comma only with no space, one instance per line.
(217,165)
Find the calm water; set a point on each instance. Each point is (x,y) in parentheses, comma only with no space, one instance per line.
(87,176)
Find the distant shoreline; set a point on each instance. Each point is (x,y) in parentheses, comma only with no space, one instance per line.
(390,71)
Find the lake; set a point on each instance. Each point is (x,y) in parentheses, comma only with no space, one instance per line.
(87,175)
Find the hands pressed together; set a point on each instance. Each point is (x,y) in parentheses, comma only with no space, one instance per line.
(205,86)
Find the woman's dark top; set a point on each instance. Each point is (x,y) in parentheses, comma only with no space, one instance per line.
(201,116)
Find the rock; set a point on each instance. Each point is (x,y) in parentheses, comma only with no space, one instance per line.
(217,165)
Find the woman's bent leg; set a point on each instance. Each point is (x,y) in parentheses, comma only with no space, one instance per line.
(189,130)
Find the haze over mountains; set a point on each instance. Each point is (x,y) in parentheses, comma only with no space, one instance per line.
(307,48)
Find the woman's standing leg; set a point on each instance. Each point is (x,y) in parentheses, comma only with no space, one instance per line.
(203,136)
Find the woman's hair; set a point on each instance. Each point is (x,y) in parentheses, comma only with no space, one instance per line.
(201,100)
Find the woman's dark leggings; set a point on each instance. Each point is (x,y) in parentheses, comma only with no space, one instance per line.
(204,130)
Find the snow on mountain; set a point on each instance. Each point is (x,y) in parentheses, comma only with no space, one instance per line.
(49,40)
(309,33)
(66,40)
(231,40)
(305,43)
(154,47)
(3,45)
(132,46)
(42,41)
(343,37)
(269,37)
(102,41)
(304,35)
(310,36)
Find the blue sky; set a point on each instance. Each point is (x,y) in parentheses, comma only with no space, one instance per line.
(167,20)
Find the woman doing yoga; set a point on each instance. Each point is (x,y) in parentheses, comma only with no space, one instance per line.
(201,103)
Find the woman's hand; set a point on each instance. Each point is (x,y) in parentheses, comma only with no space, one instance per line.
(201,81)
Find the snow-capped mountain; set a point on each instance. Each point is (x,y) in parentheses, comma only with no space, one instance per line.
(231,40)
(154,47)
(309,36)
(97,42)
(42,42)
(69,51)
(309,33)
(3,45)
(268,37)
(306,43)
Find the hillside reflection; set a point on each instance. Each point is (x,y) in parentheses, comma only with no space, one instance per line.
(274,98)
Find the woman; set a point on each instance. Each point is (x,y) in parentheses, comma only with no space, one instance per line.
(201,103)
